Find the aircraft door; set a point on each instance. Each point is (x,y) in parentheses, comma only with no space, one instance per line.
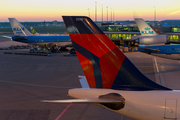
(170,109)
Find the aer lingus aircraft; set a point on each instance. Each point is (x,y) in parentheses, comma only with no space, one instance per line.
(21,34)
(114,82)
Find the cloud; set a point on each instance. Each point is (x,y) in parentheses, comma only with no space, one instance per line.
(175,12)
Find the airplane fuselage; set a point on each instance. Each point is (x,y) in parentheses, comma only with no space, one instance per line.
(149,40)
(165,51)
(61,40)
(140,105)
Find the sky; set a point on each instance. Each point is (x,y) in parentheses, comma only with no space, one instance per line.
(50,10)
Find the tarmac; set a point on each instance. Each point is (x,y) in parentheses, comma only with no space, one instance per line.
(25,80)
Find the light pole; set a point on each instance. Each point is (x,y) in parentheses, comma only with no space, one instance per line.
(102,13)
(88,11)
(95,11)
(154,16)
(107,14)
(111,14)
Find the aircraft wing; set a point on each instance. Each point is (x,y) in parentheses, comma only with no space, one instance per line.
(6,36)
(149,49)
(90,100)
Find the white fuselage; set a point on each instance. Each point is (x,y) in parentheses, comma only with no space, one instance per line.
(149,40)
(140,105)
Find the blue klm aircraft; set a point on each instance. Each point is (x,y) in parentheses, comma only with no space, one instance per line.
(165,51)
(21,34)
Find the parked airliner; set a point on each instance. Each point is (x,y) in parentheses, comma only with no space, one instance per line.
(114,82)
(24,36)
(148,35)
(164,51)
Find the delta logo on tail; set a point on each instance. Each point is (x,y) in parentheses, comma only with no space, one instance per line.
(147,31)
(103,64)
(114,81)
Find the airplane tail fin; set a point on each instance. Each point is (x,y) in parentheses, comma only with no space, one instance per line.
(144,28)
(18,29)
(103,64)
(33,31)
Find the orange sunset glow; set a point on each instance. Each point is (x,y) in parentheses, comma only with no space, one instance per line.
(40,10)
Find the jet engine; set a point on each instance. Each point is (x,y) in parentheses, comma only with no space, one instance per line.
(147,40)
(114,96)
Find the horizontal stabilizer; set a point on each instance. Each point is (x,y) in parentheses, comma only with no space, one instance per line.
(91,100)
(6,36)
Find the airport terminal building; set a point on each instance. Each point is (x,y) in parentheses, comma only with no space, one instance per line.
(119,32)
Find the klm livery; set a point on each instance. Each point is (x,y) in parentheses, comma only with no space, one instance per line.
(43,41)
(148,35)
(147,31)
(18,30)
(144,28)
(21,34)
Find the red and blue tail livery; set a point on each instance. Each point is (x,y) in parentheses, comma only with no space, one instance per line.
(103,64)
(113,82)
